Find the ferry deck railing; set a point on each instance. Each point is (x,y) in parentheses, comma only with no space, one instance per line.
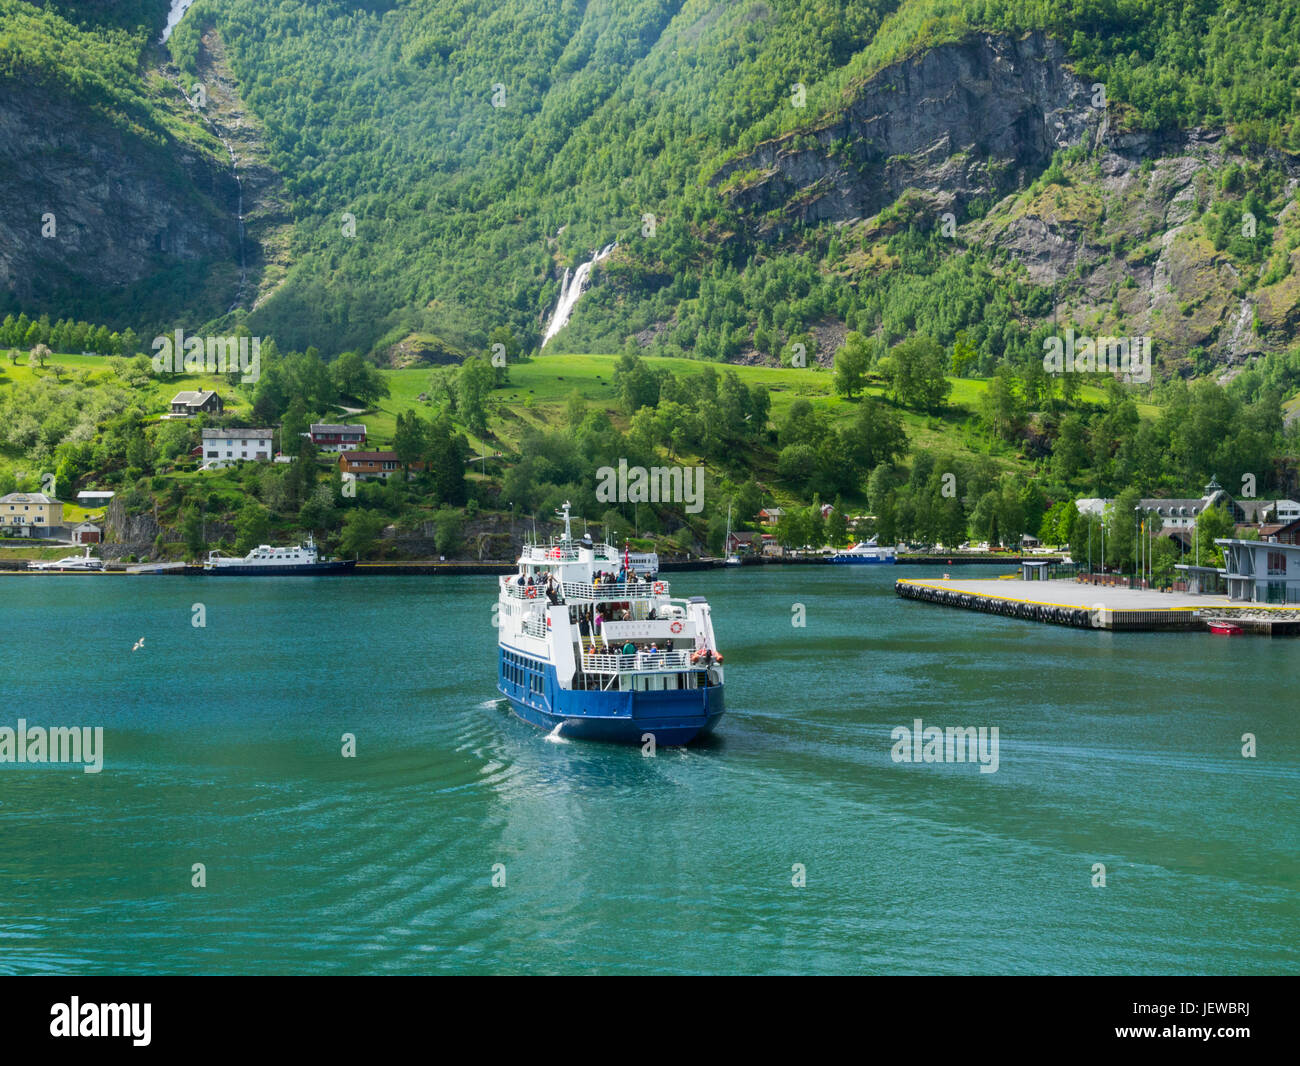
(615,590)
(641,662)
(580,592)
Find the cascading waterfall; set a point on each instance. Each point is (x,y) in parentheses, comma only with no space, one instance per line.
(570,290)
(239,184)
(174,16)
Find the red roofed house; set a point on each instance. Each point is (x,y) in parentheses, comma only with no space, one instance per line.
(368,466)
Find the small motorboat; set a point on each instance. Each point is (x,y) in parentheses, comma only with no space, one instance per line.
(1224,627)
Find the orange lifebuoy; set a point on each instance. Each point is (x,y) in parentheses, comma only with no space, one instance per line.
(659,588)
(676,627)
(532,592)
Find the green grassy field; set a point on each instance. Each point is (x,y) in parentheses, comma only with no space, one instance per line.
(538,392)
(155,397)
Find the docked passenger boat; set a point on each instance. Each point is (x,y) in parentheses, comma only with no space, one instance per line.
(865,552)
(267,561)
(70,564)
(588,648)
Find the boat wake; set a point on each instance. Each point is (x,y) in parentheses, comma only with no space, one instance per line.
(554,735)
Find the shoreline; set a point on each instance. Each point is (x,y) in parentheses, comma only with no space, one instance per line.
(416,567)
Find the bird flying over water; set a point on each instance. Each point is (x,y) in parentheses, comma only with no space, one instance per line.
(138,644)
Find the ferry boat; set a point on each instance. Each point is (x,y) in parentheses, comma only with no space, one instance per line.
(78,563)
(584,654)
(266,561)
(865,552)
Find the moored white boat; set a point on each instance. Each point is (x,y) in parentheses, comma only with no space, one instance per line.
(268,561)
(865,552)
(71,563)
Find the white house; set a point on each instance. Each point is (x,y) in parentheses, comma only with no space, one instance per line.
(231,444)
(333,437)
(1178,516)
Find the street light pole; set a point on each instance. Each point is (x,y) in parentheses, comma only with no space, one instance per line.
(1136,549)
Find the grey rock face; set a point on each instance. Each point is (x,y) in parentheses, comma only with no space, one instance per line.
(124,209)
(961,120)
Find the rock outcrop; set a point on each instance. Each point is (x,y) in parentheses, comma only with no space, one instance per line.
(1120,239)
(961,120)
(86,205)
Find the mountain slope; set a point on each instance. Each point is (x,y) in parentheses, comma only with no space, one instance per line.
(772,170)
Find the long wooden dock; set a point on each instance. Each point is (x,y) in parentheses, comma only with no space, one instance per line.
(1085,606)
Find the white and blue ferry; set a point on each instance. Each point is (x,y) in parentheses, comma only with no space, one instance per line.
(867,552)
(590,647)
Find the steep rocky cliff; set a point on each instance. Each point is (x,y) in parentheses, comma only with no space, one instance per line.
(1120,235)
(89,207)
(961,120)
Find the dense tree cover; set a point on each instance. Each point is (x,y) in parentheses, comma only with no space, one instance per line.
(90,51)
(482,147)
(1166,61)
(64,335)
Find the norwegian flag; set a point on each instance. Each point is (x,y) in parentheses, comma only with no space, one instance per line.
(627,562)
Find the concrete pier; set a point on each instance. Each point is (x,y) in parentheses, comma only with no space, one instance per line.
(1084,606)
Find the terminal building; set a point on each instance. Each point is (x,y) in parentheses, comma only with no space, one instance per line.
(1261,571)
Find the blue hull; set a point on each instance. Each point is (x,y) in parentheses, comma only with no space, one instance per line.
(673,716)
(341,566)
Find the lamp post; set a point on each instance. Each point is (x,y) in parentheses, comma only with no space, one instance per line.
(1137,572)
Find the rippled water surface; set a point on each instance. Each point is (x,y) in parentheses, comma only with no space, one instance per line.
(222,747)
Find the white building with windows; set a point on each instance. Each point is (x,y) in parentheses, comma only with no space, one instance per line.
(1261,571)
(221,446)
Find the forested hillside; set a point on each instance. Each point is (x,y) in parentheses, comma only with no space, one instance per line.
(445,161)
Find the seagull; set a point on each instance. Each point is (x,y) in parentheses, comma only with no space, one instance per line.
(138,644)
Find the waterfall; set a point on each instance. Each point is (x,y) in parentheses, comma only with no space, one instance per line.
(239,183)
(570,290)
(174,16)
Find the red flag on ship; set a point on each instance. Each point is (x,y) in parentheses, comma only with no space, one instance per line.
(627,561)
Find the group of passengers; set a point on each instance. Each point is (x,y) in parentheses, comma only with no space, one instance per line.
(608,577)
(547,583)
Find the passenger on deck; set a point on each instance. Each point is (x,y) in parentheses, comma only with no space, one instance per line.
(629,648)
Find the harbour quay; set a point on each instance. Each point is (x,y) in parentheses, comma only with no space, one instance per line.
(1087,606)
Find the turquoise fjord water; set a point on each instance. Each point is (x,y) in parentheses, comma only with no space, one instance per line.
(222,746)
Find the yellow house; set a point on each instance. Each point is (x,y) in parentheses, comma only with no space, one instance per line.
(30,514)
